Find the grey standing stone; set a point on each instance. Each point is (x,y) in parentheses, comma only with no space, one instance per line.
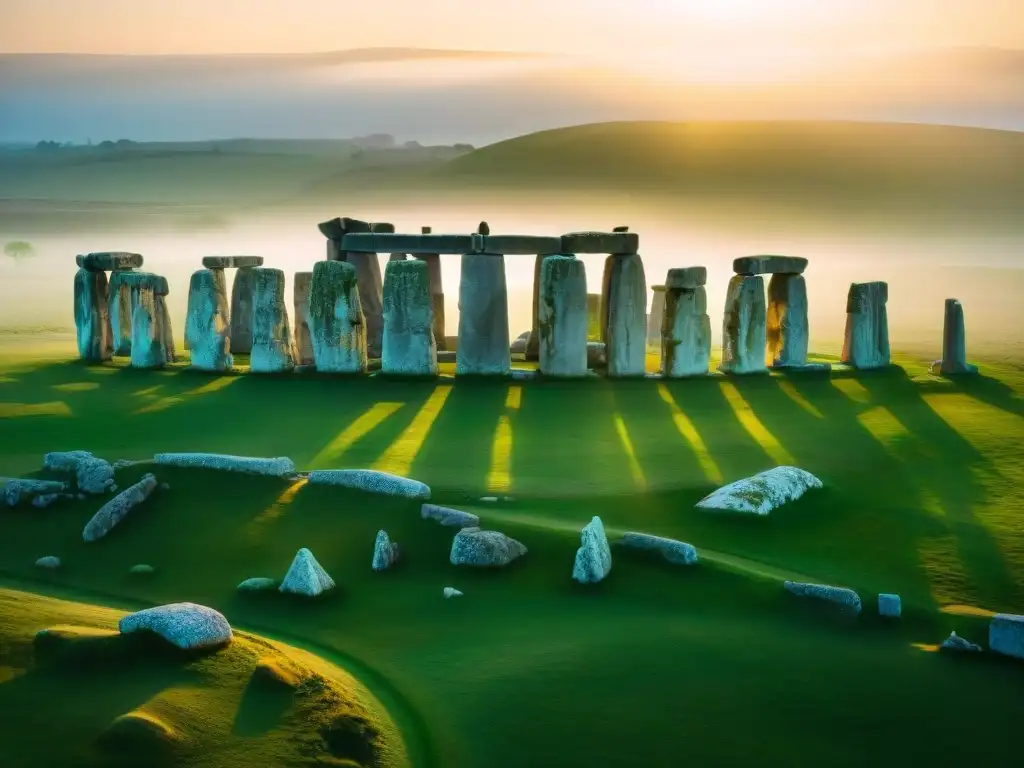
(483,317)
(367,267)
(685,331)
(123,298)
(303,322)
(147,348)
(624,310)
(433,261)
(956,643)
(866,341)
(306,576)
(337,328)
(657,316)
(562,320)
(954,343)
(385,552)
(242,289)
(166,328)
(408,344)
(92,317)
(787,325)
(273,347)
(207,327)
(743,327)
(533,340)
(594,557)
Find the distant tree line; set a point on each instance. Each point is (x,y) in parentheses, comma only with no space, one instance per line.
(51,146)
(19,249)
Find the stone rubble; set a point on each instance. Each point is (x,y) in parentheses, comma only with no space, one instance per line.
(956,643)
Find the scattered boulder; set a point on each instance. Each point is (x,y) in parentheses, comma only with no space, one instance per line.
(889,606)
(15,490)
(184,625)
(839,595)
(454,518)
(956,643)
(487,549)
(303,321)
(450,592)
(678,552)
(94,476)
(257,584)
(306,576)
(685,328)
(115,510)
(276,467)
(142,570)
(371,481)
(385,552)
(42,502)
(50,562)
(1006,635)
(232,262)
(760,494)
(594,557)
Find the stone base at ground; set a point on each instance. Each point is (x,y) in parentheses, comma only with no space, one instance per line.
(92,316)
(337,324)
(207,326)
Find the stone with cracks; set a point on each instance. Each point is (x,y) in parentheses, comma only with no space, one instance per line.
(273,348)
(92,316)
(187,626)
(337,327)
(562,318)
(889,605)
(483,317)
(657,316)
(454,518)
(306,577)
(954,343)
(678,552)
(110,261)
(303,321)
(743,327)
(787,327)
(148,336)
(367,268)
(115,510)
(250,465)
(594,557)
(243,290)
(385,552)
(760,494)
(1006,635)
(408,344)
(65,461)
(866,341)
(846,598)
(371,481)
(207,327)
(685,333)
(484,549)
(763,265)
(14,490)
(232,262)
(416,245)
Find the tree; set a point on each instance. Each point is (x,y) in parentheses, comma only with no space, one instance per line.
(19,249)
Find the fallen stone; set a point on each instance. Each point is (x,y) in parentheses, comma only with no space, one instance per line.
(385,552)
(483,317)
(562,319)
(303,320)
(148,336)
(657,315)
(763,265)
(94,476)
(232,262)
(243,290)
(678,552)
(207,325)
(92,316)
(273,347)
(454,518)
(787,326)
(117,509)
(866,341)
(685,333)
(594,557)
(624,315)
(760,494)
(600,242)
(889,606)
(110,261)
(46,500)
(472,546)
(1006,635)
(522,245)
(65,461)
(337,325)
(50,562)
(408,343)
(686,278)
(954,343)
(186,626)
(15,490)
(744,326)
(276,467)
(306,577)
(450,592)
(956,643)
(839,595)
(142,569)
(257,584)
(371,481)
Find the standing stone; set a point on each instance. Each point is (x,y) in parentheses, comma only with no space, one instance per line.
(533,341)
(273,348)
(303,323)
(624,306)
(743,328)
(954,343)
(206,325)
(787,331)
(92,318)
(166,327)
(655,319)
(483,347)
(148,350)
(408,346)
(337,330)
(370,298)
(562,320)
(866,342)
(123,297)
(685,333)
(242,310)
(594,557)
(436,292)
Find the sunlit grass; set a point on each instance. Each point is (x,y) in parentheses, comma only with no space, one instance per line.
(400,455)
(19,410)
(514,400)
(692,436)
(853,389)
(499,476)
(627,445)
(967,610)
(276,509)
(351,434)
(793,394)
(883,425)
(753,425)
(77,386)
(215,385)
(940,560)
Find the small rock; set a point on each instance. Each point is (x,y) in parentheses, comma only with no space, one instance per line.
(594,557)
(889,606)
(840,595)
(185,625)
(49,561)
(385,552)
(674,551)
(142,570)
(472,546)
(95,476)
(489,499)
(257,584)
(113,488)
(165,486)
(449,517)
(42,502)
(956,643)
(450,592)
(306,576)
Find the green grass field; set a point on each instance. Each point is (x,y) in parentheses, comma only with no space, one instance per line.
(658,665)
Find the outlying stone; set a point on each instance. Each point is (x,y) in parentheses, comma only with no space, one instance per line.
(594,557)
(889,605)
(866,340)
(760,494)
(92,316)
(372,481)
(94,476)
(787,326)
(600,242)
(743,328)
(148,345)
(686,278)
(624,315)
(408,344)
(337,325)
(109,261)
(762,265)
(956,643)
(306,576)
(50,562)
(186,626)
(142,569)
(65,461)
(243,290)
(483,317)
(276,467)
(385,552)
(450,592)
(839,595)
(117,509)
(303,321)
(472,546)
(678,552)
(657,315)
(685,330)
(15,490)
(562,317)
(1006,635)
(207,325)
(954,343)
(257,584)
(229,262)
(273,347)
(454,518)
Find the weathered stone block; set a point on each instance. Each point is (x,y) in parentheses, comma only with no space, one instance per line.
(743,327)
(242,310)
(1006,635)
(594,557)
(522,245)
(337,328)
(408,339)
(762,265)
(368,277)
(624,307)
(600,242)
(562,320)
(954,343)
(787,325)
(686,278)
(92,317)
(533,340)
(332,230)
(483,317)
(207,330)
(273,347)
(657,315)
(166,327)
(110,261)
(685,333)
(148,350)
(409,244)
(303,322)
(866,341)
(229,262)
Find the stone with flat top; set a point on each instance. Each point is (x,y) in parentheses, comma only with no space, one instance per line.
(686,278)
(769,265)
(523,245)
(109,261)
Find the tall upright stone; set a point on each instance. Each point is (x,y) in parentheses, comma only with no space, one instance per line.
(624,315)
(408,346)
(367,267)
(787,325)
(533,341)
(866,341)
(562,320)
(123,298)
(954,343)
(686,326)
(148,349)
(92,316)
(654,320)
(242,310)
(483,348)
(337,330)
(207,329)
(166,327)
(273,347)
(436,292)
(303,324)
(743,327)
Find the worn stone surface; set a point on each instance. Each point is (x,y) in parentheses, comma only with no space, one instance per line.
(333,229)
(624,306)
(303,321)
(685,333)
(846,598)
(522,245)
(686,278)
(385,552)
(762,265)
(242,308)
(232,262)
(562,320)
(657,315)
(600,242)
(207,326)
(94,476)
(533,340)
(787,330)
(760,494)
(65,461)
(744,326)
(123,289)
(115,510)
(337,324)
(147,347)
(866,341)
(257,584)
(1006,635)
(678,552)
(50,562)
(273,346)
(368,277)
(280,466)
(306,576)
(16,489)
(166,327)
(371,481)
(954,343)
(889,605)
(408,344)
(485,549)
(185,625)
(454,518)
(594,556)
(92,316)
(109,261)
(483,317)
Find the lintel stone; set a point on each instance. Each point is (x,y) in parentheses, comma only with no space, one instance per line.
(523,245)
(137,280)
(332,230)
(411,244)
(600,242)
(686,278)
(109,261)
(769,265)
(230,262)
